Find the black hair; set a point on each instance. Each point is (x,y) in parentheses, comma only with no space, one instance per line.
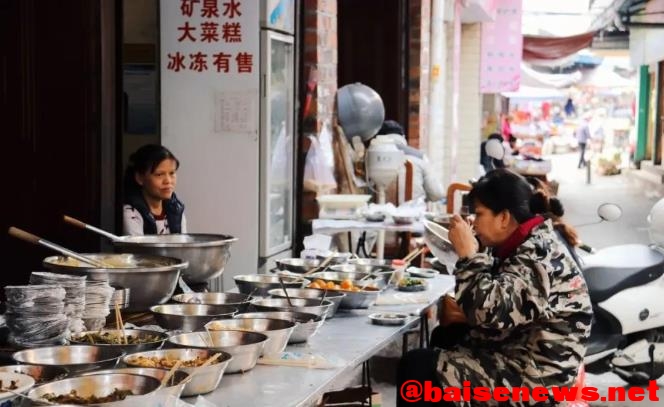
(390,127)
(145,159)
(544,202)
(502,189)
(495,136)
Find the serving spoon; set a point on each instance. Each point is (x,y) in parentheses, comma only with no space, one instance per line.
(29,237)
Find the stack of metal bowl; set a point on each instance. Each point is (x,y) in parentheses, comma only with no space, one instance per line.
(75,358)
(260,284)
(278,331)
(150,279)
(245,347)
(190,317)
(307,293)
(207,254)
(306,325)
(203,379)
(99,386)
(310,306)
(237,300)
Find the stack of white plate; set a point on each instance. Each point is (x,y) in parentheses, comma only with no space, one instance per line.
(36,315)
(97,298)
(75,295)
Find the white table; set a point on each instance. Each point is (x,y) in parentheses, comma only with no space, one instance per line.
(349,338)
(331,226)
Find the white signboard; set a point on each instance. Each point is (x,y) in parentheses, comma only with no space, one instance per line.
(210,70)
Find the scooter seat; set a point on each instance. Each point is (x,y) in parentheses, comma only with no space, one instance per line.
(616,268)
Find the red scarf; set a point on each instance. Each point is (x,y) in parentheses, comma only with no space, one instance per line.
(519,236)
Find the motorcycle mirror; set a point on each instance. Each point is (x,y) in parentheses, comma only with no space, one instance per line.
(494,149)
(609,212)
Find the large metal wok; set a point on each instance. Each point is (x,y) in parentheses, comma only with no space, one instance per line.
(150,279)
(207,254)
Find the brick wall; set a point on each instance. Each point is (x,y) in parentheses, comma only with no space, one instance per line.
(419,61)
(320,52)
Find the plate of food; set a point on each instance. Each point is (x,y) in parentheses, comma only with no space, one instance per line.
(411,284)
(388,318)
(17,383)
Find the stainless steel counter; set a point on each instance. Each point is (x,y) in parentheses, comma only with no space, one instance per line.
(349,338)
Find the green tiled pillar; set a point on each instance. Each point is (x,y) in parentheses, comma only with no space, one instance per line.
(642,114)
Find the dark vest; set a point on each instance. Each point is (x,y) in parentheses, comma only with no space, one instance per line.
(173,207)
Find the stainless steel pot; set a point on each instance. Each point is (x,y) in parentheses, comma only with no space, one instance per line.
(150,279)
(207,254)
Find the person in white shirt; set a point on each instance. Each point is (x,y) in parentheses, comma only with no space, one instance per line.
(425,182)
(150,204)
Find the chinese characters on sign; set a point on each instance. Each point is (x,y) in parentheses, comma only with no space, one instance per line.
(502,42)
(205,23)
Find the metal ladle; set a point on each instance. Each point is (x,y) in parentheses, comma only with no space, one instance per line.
(29,237)
(80,224)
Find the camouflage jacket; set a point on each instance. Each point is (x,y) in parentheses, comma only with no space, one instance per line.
(532,311)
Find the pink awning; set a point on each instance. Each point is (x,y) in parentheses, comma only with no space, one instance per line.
(550,48)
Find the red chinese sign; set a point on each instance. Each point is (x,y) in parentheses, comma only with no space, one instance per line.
(218,26)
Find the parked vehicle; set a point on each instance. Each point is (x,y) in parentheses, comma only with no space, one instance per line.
(626,285)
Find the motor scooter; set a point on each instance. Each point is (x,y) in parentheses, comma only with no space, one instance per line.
(626,286)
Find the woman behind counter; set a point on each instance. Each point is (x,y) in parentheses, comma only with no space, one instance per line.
(524,299)
(150,204)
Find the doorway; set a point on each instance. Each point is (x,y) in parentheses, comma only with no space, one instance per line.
(373,38)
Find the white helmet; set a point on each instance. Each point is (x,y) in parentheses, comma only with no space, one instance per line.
(656,223)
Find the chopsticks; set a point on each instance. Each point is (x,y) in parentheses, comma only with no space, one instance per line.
(411,256)
(119,324)
(211,360)
(170,373)
(176,366)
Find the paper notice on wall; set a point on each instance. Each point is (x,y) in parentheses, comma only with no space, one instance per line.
(235,112)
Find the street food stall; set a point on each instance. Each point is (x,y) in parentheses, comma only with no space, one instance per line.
(284,338)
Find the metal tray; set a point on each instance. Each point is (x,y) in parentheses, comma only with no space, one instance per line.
(388,318)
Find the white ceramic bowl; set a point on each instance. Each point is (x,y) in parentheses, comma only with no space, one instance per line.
(24,383)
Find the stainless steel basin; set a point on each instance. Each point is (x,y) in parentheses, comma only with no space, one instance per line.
(74,358)
(278,331)
(151,280)
(245,347)
(207,254)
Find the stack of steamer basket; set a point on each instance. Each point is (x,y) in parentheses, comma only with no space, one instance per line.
(36,315)
(75,295)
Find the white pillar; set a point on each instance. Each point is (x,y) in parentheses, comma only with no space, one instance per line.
(437,99)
